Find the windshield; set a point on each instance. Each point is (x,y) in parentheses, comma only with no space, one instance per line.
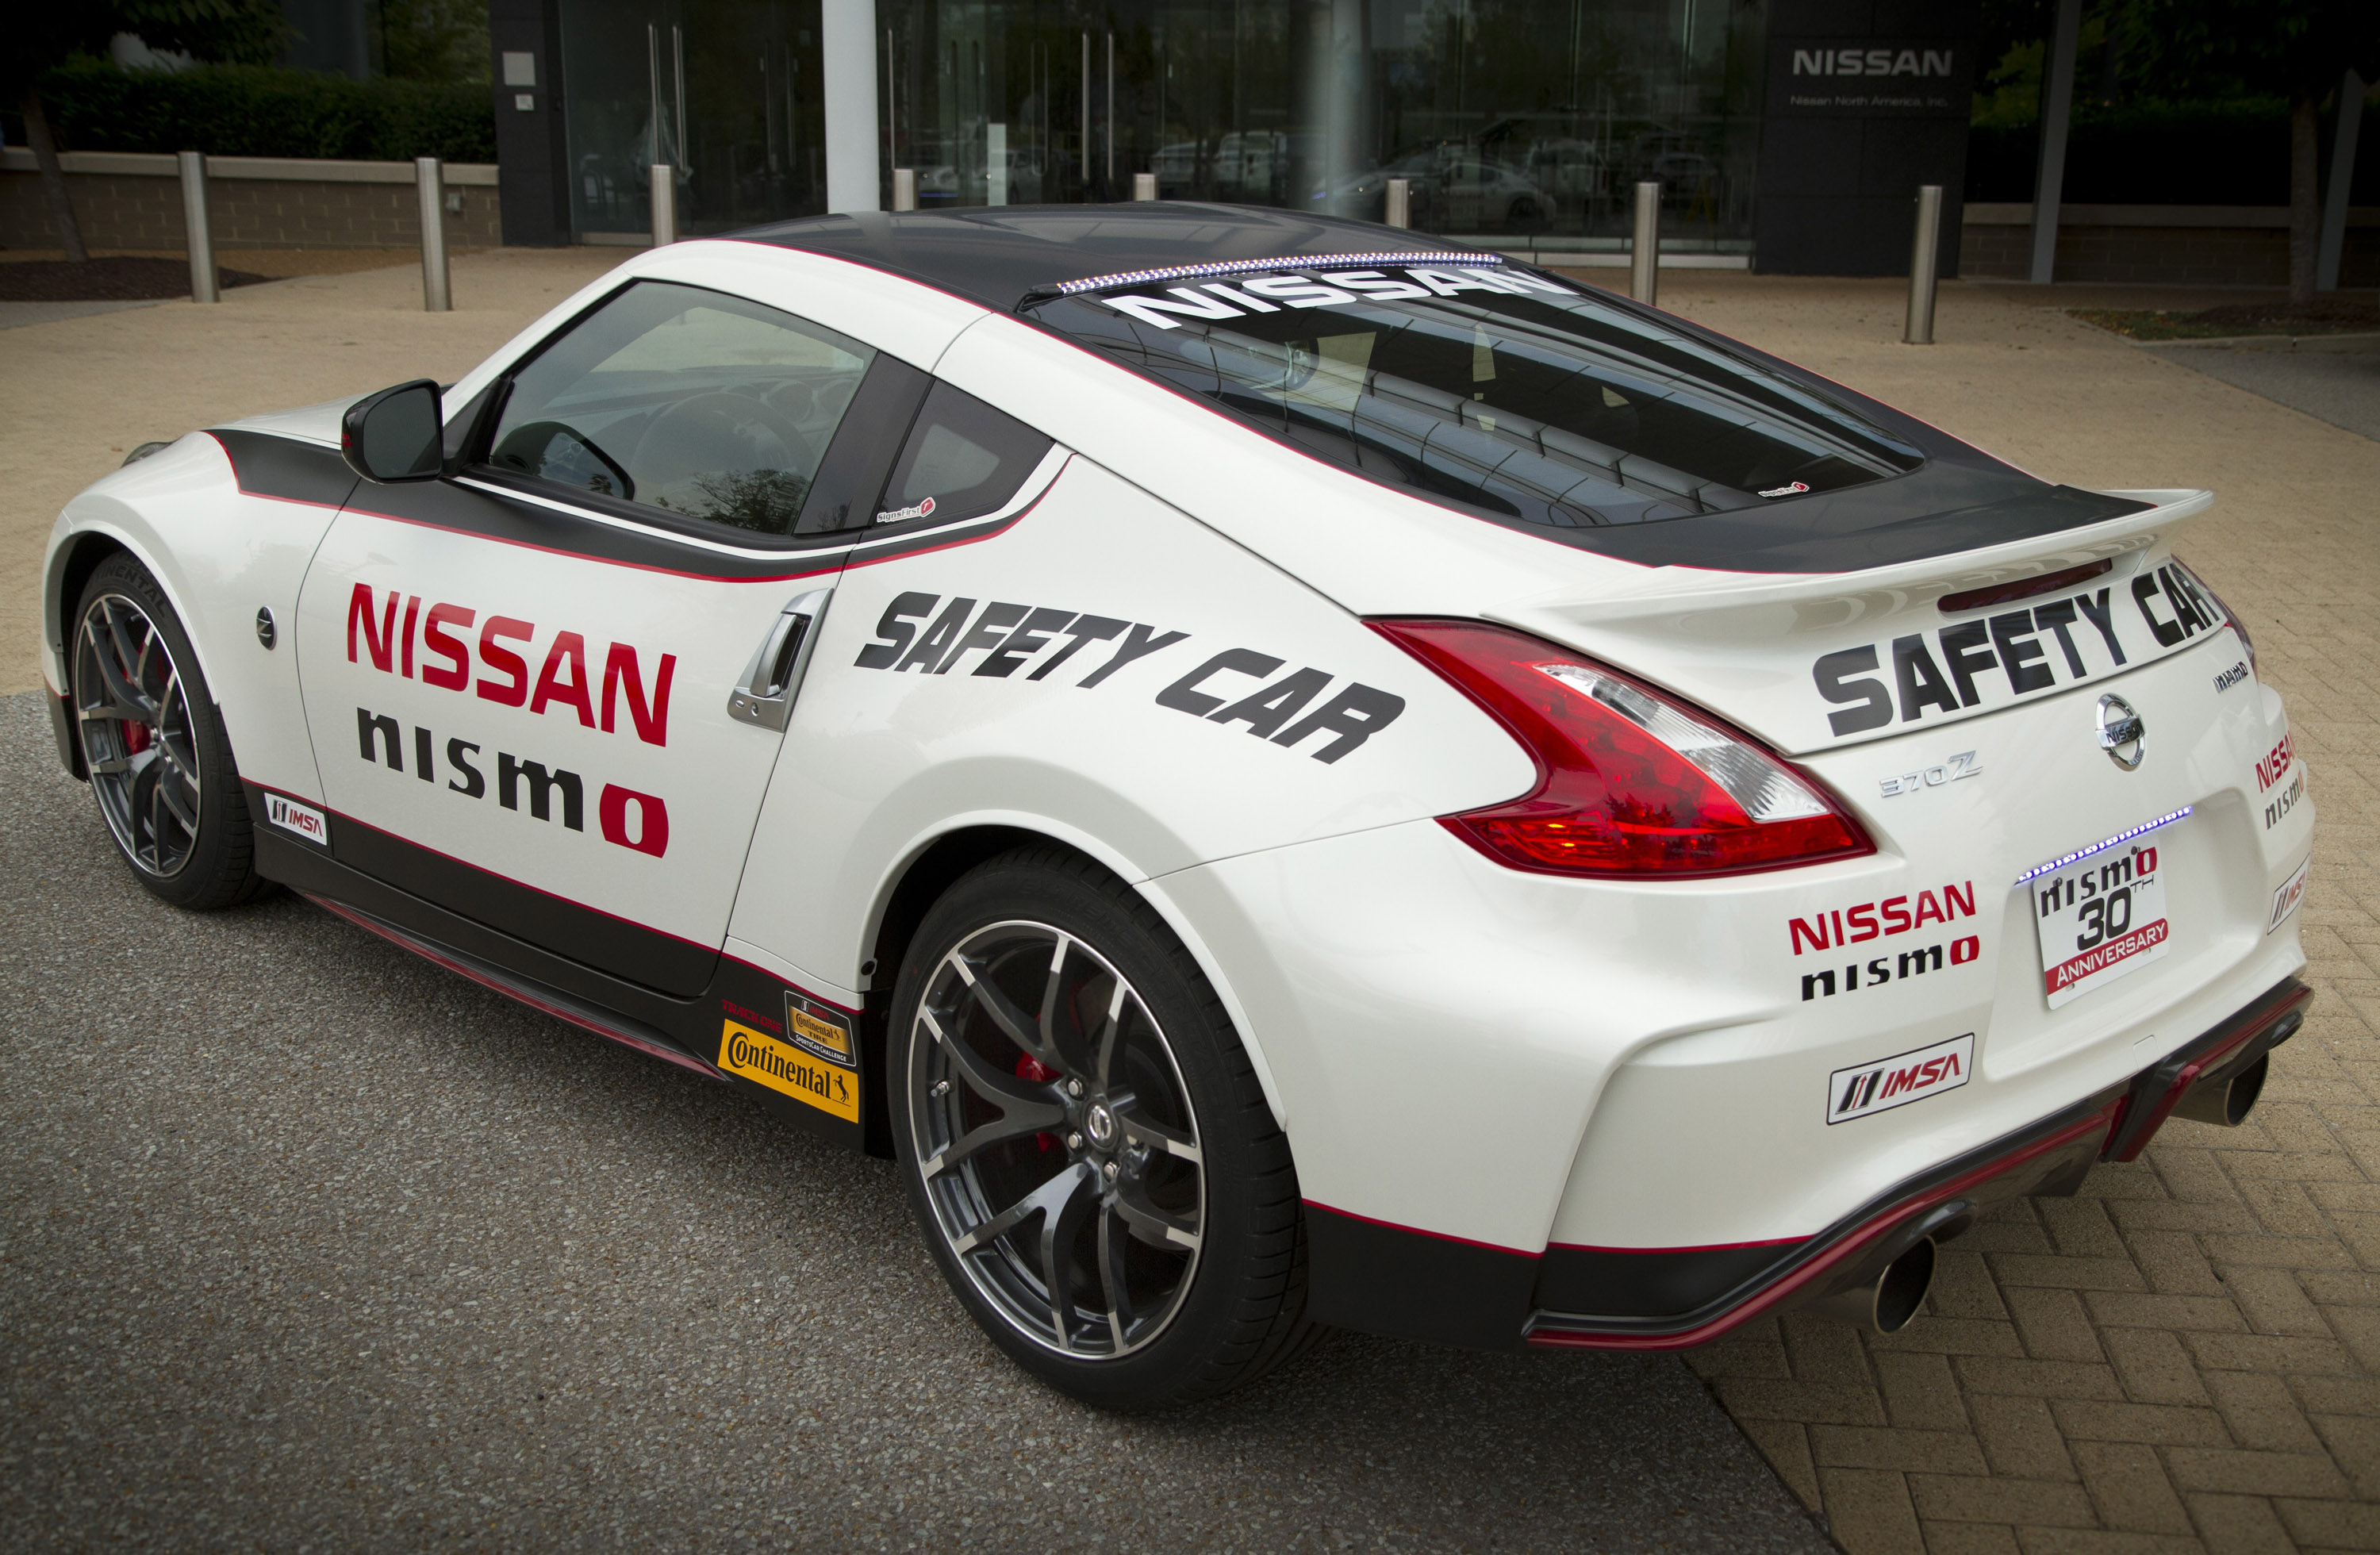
(1493,388)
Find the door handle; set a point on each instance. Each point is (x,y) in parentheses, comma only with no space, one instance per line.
(764,697)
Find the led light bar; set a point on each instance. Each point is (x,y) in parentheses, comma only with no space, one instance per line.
(2081,854)
(1289,261)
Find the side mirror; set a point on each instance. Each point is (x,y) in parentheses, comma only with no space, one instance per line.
(396,435)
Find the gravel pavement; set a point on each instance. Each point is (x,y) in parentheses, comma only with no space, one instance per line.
(307,1244)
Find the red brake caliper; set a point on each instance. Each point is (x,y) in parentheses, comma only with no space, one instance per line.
(136,737)
(1033,1069)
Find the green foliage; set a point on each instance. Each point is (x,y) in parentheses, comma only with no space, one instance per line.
(2150,153)
(430,40)
(2177,52)
(247,110)
(45,33)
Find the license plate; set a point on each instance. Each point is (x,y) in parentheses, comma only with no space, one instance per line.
(2100,918)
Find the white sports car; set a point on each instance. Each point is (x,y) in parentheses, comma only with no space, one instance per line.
(1291,775)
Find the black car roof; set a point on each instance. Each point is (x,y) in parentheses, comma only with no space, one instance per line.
(998,255)
(1005,256)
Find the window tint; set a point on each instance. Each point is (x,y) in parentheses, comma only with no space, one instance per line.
(964,459)
(1498,390)
(689,401)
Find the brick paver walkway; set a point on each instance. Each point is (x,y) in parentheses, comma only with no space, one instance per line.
(2186,1356)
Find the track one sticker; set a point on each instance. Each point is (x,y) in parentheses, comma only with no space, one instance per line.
(1897,1081)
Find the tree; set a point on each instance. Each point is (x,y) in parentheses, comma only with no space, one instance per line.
(47,35)
(2295,49)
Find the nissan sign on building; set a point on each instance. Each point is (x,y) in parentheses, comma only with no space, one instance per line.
(1852,124)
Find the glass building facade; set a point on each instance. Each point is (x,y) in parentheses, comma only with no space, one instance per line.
(1511,118)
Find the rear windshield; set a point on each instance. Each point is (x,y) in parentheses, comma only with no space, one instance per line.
(1492,388)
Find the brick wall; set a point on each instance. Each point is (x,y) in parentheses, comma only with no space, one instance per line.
(118,210)
(2156,255)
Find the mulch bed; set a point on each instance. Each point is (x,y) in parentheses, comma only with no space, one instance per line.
(2329,316)
(122,278)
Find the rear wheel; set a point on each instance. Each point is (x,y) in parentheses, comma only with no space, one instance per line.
(1085,1143)
(154,743)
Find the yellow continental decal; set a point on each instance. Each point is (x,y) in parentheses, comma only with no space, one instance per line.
(823,1034)
(781,1067)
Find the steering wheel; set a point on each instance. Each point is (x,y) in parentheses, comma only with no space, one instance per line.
(717,433)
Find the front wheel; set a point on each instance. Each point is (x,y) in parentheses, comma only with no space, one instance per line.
(1085,1143)
(154,743)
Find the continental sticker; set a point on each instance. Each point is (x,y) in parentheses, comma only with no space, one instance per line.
(825,1032)
(786,1069)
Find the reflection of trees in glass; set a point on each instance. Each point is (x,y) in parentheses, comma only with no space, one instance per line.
(429,39)
(765,499)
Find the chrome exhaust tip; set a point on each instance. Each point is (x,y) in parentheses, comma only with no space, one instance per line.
(1885,1304)
(2226,1101)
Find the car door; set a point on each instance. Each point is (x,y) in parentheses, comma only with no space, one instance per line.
(539,688)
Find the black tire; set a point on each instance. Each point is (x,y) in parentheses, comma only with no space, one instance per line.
(1099,1111)
(153,742)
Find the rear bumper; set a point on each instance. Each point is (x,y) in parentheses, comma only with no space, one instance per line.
(1391,1279)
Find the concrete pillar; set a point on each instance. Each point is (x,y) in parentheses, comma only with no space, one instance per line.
(2351,89)
(847,51)
(2057,113)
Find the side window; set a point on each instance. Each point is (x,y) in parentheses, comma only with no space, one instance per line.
(964,459)
(689,401)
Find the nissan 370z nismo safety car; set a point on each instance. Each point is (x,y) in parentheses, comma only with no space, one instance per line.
(1290,773)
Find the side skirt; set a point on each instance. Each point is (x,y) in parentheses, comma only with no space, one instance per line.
(740,1030)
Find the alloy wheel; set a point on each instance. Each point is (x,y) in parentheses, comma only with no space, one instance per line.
(138,742)
(1055,1140)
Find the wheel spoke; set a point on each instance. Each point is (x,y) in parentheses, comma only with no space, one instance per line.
(1110,1029)
(1058,1230)
(1111,1279)
(1015,1122)
(1157,1227)
(1003,1091)
(1013,1022)
(123,699)
(1141,1129)
(182,805)
(1047,1199)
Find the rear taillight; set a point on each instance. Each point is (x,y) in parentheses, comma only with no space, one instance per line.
(1630,783)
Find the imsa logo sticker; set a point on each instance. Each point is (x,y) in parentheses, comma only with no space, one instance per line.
(1866,1089)
(788,1071)
(291,815)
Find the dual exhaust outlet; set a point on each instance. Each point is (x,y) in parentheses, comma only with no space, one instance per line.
(1882,1297)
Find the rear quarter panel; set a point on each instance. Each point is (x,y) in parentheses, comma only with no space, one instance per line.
(892,746)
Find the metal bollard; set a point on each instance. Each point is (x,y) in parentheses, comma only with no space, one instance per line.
(1399,202)
(904,189)
(203,287)
(1924,258)
(662,190)
(430,183)
(1144,186)
(1645,249)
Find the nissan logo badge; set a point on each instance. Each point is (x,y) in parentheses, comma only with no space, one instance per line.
(2121,734)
